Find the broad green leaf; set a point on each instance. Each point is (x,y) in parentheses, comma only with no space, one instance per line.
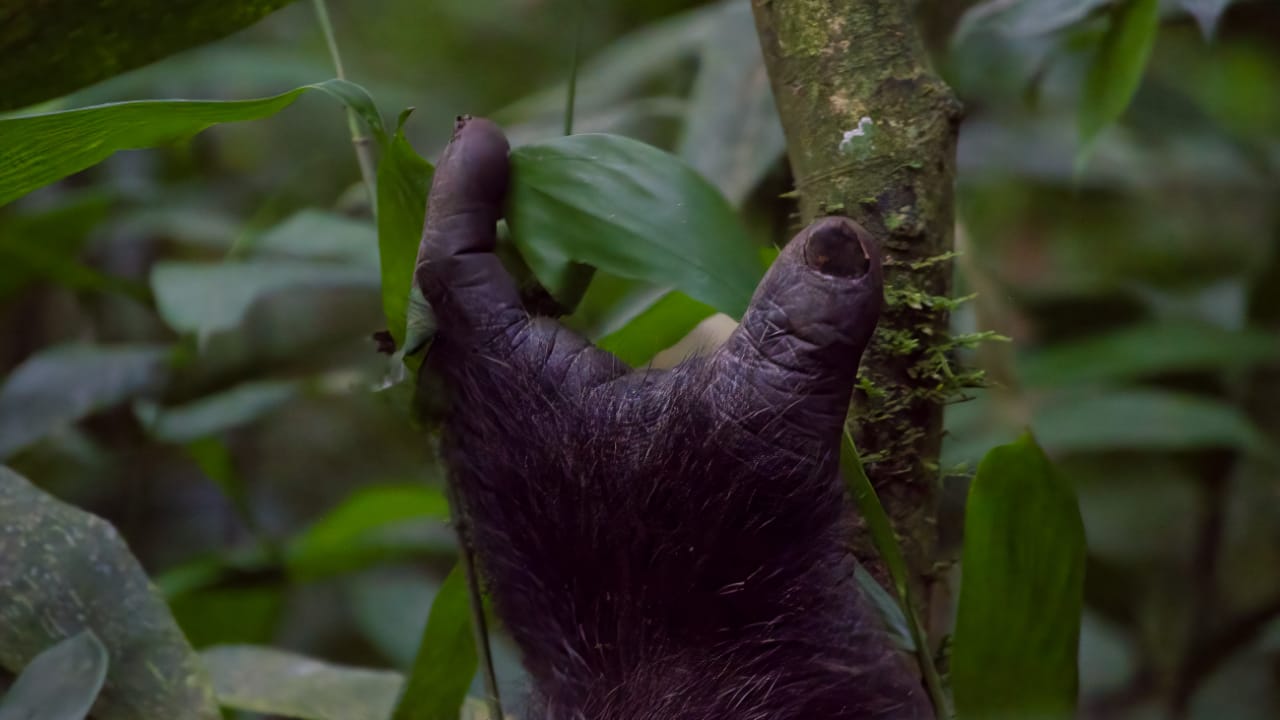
(1132,419)
(1148,349)
(1018,622)
(53,47)
(631,210)
(61,683)
(274,682)
(205,298)
(59,386)
(1118,66)
(320,235)
(446,661)
(732,134)
(215,413)
(36,150)
(656,328)
(404,179)
(62,571)
(886,542)
(373,523)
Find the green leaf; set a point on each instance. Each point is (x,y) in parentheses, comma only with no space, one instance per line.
(206,298)
(1132,419)
(404,179)
(36,150)
(372,523)
(1018,622)
(628,209)
(215,413)
(320,235)
(274,682)
(656,328)
(61,683)
(53,47)
(886,542)
(63,571)
(59,386)
(1148,349)
(895,622)
(239,614)
(446,661)
(732,134)
(1117,68)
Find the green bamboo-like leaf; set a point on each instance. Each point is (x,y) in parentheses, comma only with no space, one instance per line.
(404,179)
(446,661)
(631,210)
(52,47)
(59,386)
(274,682)
(206,298)
(319,235)
(1118,66)
(1133,418)
(373,523)
(61,683)
(36,150)
(886,542)
(1018,623)
(1148,349)
(63,571)
(732,134)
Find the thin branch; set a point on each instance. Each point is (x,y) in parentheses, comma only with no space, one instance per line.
(359,140)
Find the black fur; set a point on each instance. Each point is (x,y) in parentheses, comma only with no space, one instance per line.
(662,545)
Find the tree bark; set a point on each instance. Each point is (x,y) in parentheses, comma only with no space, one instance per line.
(871,134)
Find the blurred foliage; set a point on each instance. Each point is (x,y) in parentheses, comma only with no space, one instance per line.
(186,329)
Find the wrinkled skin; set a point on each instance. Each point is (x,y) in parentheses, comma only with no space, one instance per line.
(662,545)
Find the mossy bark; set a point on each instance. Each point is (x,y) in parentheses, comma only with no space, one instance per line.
(871,134)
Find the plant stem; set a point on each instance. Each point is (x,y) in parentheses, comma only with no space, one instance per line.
(571,97)
(481,629)
(359,140)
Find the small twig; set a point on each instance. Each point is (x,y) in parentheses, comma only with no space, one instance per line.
(359,140)
(571,97)
(479,625)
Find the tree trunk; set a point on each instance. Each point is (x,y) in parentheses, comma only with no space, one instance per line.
(871,134)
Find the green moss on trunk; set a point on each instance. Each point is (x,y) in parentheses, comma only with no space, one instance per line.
(871,134)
